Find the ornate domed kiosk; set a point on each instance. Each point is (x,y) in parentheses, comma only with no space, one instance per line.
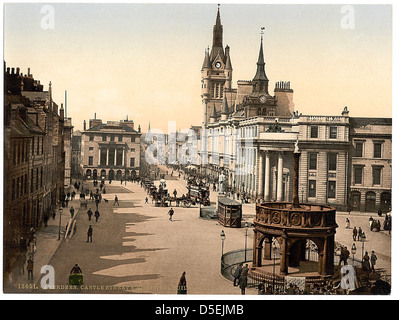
(284,231)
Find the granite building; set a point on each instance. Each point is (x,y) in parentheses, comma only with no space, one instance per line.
(34,159)
(249,136)
(111,150)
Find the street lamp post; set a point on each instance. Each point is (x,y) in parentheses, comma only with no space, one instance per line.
(222,237)
(246,236)
(59,226)
(274,249)
(353,253)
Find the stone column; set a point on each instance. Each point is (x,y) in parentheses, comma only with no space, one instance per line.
(295,190)
(107,157)
(115,153)
(123,157)
(280,167)
(283,258)
(99,155)
(267,176)
(260,174)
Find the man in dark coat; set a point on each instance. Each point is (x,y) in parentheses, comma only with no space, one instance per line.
(237,274)
(354,234)
(243,280)
(90,234)
(89,214)
(97,215)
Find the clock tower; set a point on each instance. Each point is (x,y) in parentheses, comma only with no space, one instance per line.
(260,102)
(216,74)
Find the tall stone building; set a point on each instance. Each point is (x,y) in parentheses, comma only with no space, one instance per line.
(34,159)
(111,150)
(370,164)
(68,130)
(76,158)
(249,137)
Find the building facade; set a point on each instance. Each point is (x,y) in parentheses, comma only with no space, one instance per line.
(371,164)
(111,150)
(34,159)
(249,136)
(76,157)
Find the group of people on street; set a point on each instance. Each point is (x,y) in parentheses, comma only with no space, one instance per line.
(96,214)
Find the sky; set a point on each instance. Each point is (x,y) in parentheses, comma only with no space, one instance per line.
(144,60)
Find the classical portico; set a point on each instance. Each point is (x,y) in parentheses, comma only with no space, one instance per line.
(274,174)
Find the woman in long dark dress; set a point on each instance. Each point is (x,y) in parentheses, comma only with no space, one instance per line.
(182,286)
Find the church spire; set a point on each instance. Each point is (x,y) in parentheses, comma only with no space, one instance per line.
(260,80)
(217,46)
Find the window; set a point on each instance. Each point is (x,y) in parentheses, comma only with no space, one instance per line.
(133,149)
(104,138)
(359,149)
(312,161)
(132,162)
(90,161)
(312,188)
(132,139)
(314,131)
(333,132)
(377,149)
(91,148)
(358,175)
(331,189)
(332,162)
(91,138)
(377,175)
(111,138)
(120,138)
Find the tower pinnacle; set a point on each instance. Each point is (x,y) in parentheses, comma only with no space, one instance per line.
(260,80)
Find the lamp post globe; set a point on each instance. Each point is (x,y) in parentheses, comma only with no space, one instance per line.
(222,237)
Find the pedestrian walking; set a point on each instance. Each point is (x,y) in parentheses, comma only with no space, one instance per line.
(354,232)
(348,223)
(182,286)
(366,262)
(116,200)
(171,213)
(72,212)
(89,214)
(90,234)
(359,234)
(29,267)
(243,280)
(373,259)
(97,215)
(237,274)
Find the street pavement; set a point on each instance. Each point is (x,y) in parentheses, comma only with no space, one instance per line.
(136,249)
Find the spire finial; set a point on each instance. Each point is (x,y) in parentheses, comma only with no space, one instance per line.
(262,32)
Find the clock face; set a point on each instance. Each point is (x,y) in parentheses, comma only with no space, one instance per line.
(262,99)
(218,64)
